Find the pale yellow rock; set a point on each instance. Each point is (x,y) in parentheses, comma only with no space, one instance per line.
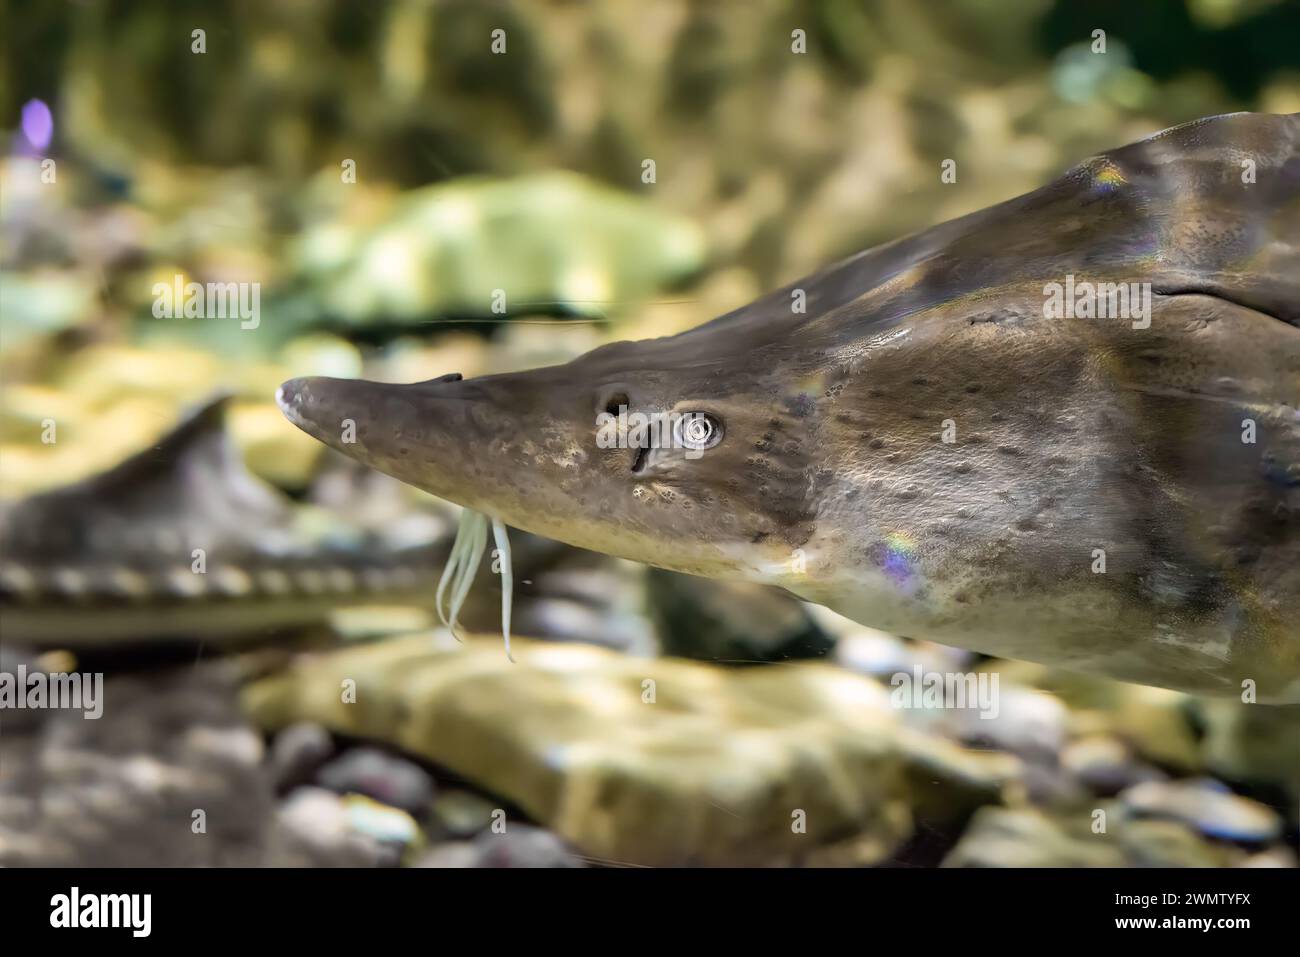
(655,762)
(82,446)
(415,359)
(1029,837)
(271,446)
(1252,743)
(27,408)
(112,400)
(106,374)
(948,781)
(321,354)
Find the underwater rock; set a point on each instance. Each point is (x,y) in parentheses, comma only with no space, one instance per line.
(520,845)
(1207,806)
(1047,784)
(1273,857)
(587,597)
(876,654)
(946,782)
(32,664)
(1023,837)
(316,830)
(730,622)
(565,619)
(638,761)
(384,777)
(87,441)
(1105,765)
(296,751)
(454,854)
(170,775)
(1251,743)
(268,451)
(388,826)
(880,655)
(1154,843)
(108,399)
(1155,722)
(1025,721)
(862,850)
(461,814)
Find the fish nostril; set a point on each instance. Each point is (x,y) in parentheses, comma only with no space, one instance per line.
(612,399)
(638,462)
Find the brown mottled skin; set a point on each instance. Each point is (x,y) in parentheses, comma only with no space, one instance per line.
(1071,438)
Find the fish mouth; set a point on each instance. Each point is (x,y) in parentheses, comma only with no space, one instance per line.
(302,402)
(289,398)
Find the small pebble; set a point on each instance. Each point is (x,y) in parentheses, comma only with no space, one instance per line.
(523,846)
(1273,857)
(1105,765)
(1208,806)
(1023,721)
(451,854)
(297,750)
(377,774)
(384,824)
(462,813)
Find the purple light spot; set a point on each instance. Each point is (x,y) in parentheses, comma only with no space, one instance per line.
(38,124)
(897,566)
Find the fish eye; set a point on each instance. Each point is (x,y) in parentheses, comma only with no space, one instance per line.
(697,431)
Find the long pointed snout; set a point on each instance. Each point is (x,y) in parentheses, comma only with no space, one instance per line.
(417,432)
(476,442)
(317,404)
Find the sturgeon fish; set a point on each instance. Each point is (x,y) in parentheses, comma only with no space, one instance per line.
(936,444)
(180,541)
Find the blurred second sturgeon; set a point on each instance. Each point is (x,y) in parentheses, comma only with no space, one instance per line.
(180,544)
(938,444)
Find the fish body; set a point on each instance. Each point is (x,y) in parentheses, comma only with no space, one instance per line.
(1064,429)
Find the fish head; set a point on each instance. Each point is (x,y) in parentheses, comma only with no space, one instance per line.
(675,452)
